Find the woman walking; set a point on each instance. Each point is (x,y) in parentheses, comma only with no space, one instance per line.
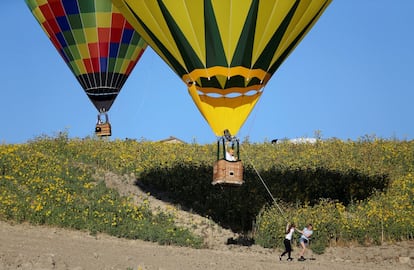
(287,242)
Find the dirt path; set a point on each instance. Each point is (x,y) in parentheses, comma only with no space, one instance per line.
(31,247)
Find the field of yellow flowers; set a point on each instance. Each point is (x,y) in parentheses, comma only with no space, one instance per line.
(352,191)
(49,181)
(385,213)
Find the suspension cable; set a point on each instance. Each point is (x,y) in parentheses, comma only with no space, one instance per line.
(264,184)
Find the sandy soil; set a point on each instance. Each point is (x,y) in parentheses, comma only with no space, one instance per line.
(24,246)
(30,247)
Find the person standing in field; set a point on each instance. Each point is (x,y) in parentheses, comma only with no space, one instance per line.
(304,240)
(288,242)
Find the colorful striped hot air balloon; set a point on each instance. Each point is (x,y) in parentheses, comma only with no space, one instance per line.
(99,46)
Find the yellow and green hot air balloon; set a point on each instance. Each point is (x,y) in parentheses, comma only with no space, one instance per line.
(224,50)
(100,47)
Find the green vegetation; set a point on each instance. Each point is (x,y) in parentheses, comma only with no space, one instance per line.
(360,191)
(45,182)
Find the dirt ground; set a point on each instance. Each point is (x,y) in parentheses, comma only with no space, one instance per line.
(23,246)
(38,247)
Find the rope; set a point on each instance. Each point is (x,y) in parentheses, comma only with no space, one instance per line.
(266,187)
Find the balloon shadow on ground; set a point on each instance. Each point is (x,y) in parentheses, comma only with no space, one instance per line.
(236,207)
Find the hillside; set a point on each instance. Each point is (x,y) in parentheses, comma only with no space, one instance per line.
(162,193)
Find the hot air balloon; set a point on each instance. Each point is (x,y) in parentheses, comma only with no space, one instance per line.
(225,52)
(99,46)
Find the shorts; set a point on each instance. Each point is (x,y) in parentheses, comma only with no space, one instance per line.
(303,240)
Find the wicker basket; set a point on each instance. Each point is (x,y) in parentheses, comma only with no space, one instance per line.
(103,129)
(228,172)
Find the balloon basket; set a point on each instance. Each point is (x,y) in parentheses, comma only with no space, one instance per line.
(228,173)
(103,130)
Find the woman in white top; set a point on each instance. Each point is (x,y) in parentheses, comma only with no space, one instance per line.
(287,242)
(230,155)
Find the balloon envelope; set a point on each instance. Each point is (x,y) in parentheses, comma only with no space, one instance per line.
(224,50)
(100,47)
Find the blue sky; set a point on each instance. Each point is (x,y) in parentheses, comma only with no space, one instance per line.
(352,76)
